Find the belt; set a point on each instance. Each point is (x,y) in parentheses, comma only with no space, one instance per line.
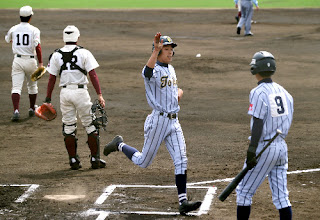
(170,116)
(73,86)
(27,56)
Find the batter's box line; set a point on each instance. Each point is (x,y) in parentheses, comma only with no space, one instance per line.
(230,179)
(32,188)
(102,214)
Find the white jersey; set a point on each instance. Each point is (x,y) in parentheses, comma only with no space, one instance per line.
(274,105)
(25,38)
(82,58)
(162,89)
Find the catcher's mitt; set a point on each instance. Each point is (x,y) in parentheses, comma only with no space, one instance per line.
(46,112)
(38,73)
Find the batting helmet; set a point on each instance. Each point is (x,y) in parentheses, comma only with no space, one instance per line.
(166,41)
(71,34)
(263,62)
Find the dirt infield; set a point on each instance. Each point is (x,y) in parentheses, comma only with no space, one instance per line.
(213,112)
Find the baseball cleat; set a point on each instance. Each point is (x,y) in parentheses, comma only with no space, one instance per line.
(75,164)
(16,116)
(31,112)
(113,145)
(238,30)
(187,206)
(97,163)
(249,34)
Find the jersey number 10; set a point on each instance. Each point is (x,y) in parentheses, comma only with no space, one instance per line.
(24,40)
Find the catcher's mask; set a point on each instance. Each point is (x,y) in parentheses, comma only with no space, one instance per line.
(99,115)
(166,41)
(263,62)
(71,34)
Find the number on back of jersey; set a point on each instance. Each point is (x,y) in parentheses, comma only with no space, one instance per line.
(278,105)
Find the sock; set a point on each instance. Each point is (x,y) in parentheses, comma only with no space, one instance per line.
(181,183)
(71,145)
(32,99)
(285,213)
(243,212)
(127,150)
(15,101)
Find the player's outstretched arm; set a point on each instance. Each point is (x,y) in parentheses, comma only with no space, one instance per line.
(157,47)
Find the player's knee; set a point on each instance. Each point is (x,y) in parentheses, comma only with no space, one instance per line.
(33,89)
(90,129)
(69,129)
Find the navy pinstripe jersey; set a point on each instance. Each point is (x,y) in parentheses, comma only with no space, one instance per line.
(273,104)
(162,89)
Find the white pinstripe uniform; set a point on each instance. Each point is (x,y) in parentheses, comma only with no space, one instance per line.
(246,14)
(274,105)
(162,96)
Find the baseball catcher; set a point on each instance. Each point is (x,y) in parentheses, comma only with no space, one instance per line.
(73,64)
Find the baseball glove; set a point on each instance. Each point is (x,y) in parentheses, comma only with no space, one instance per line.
(46,112)
(38,73)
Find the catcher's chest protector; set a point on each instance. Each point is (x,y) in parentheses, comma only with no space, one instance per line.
(68,57)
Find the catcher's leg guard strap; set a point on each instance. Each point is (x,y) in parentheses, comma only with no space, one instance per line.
(94,144)
(71,144)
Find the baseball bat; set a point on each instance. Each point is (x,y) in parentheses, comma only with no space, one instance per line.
(228,190)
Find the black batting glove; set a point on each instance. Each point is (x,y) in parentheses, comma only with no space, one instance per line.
(251,157)
(48,100)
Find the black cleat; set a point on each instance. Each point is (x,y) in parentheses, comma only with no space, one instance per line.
(238,30)
(75,163)
(97,163)
(113,145)
(187,206)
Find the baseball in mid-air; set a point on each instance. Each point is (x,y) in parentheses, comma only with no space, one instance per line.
(198,55)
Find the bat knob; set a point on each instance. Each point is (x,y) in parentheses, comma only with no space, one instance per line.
(279,131)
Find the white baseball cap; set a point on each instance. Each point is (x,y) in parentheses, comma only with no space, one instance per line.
(71,34)
(26,11)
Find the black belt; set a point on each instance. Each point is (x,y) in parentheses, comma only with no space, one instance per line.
(79,86)
(170,116)
(18,55)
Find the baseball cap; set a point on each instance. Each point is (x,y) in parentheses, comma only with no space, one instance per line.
(26,11)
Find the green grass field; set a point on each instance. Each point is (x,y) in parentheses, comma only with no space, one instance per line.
(121,4)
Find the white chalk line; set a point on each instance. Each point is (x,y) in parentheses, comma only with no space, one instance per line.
(230,179)
(32,188)
(203,209)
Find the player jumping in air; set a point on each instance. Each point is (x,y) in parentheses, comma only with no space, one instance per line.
(162,124)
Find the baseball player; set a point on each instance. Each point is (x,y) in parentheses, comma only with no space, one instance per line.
(73,63)
(271,108)
(238,16)
(25,40)
(162,124)
(246,15)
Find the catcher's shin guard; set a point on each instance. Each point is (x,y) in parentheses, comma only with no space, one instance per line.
(94,145)
(70,141)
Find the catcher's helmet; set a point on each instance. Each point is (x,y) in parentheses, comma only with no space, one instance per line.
(263,62)
(166,41)
(71,34)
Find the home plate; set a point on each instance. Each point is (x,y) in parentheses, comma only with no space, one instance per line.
(64,197)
